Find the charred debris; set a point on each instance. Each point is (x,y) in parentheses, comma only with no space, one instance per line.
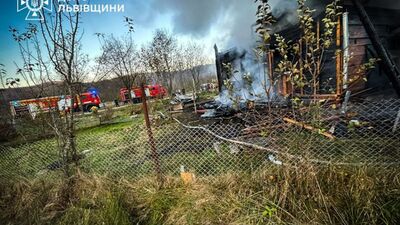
(365,30)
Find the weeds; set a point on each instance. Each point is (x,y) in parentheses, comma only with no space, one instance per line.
(278,195)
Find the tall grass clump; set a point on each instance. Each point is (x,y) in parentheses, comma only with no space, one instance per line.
(276,195)
(80,200)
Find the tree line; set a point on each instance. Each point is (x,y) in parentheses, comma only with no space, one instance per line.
(163,60)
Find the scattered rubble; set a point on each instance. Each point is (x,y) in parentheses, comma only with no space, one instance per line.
(182,99)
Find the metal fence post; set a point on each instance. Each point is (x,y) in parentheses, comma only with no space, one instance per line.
(152,143)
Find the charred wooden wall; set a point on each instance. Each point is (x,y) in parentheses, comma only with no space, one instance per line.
(386,21)
(227,63)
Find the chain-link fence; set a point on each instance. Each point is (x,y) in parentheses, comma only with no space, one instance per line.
(359,134)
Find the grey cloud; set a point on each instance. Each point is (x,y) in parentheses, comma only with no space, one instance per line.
(235,18)
(242,14)
(191,16)
(197,17)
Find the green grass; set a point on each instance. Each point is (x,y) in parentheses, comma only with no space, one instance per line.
(27,160)
(241,188)
(44,202)
(108,210)
(122,150)
(277,195)
(210,163)
(105,128)
(37,129)
(351,149)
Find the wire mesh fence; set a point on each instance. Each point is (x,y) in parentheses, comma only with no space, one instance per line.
(362,134)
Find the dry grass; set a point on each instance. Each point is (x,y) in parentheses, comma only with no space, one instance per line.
(274,196)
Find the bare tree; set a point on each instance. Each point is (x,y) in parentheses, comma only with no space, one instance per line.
(61,34)
(55,55)
(145,68)
(160,56)
(34,72)
(81,67)
(180,66)
(119,56)
(194,59)
(3,73)
(6,129)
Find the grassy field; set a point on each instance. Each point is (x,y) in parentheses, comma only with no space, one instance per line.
(22,158)
(278,195)
(115,182)
(117,146)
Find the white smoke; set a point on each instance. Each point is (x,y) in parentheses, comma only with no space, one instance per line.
(285,11)
(249,82)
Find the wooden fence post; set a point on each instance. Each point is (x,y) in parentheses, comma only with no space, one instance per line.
(152,143)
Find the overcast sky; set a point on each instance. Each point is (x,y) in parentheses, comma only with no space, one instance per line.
(226,23)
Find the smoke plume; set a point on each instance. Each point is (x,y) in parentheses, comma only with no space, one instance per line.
(234,18)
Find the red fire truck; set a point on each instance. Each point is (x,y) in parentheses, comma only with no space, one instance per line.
(152,91)
(63,103)
(88,100)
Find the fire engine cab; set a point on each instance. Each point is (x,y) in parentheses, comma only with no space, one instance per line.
(88,100)
(135,94)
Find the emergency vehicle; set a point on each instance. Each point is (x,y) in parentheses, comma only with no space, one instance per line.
(62,103)
(135,94)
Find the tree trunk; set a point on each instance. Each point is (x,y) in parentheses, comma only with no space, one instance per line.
(71,130)
(170,84)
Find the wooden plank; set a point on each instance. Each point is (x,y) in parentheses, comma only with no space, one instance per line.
(308,127)
(284,85)
(360,41)
(358,83)
(357,86)
(357,50)
(378,16)
(319,96)
(339,59)
(353,70)
(358,31)
(357,60)
(378,21)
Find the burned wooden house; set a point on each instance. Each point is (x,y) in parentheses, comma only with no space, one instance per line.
(365,30)
(230,57)
(371,29)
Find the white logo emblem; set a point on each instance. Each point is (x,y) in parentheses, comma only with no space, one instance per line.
(34,8)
